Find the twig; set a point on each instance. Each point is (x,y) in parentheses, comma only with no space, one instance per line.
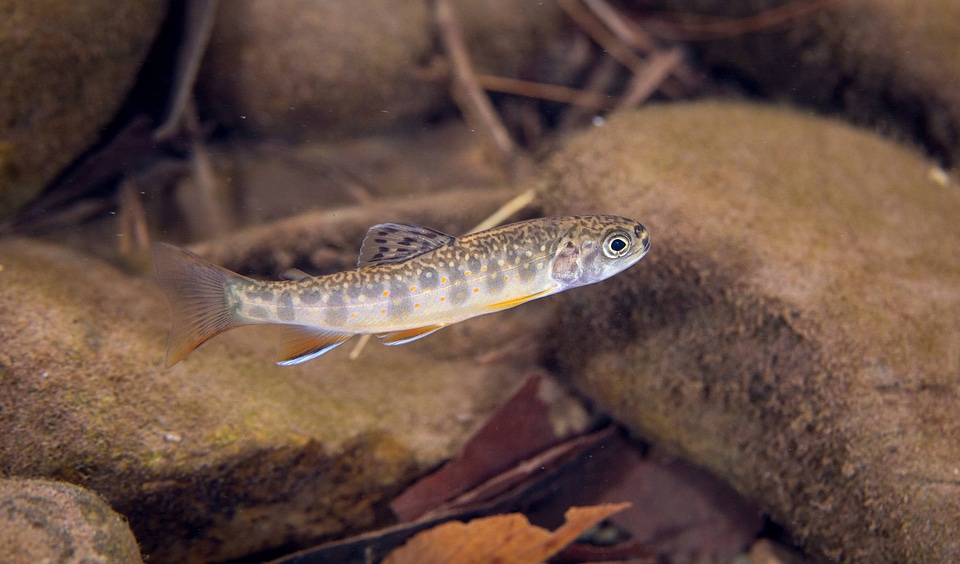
(596,30)
(467,93)
(506,210)
(131,220)
(594,100)
(706,28)
(197,193)
(646,82)
(601,79)
(621,26)
(358,348)
(200,16)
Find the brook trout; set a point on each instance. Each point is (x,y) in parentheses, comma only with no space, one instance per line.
(410,281)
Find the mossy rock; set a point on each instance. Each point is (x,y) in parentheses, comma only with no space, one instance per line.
(66,68)
(889,64)
(795,327)
(226,454)
(42,521)
(308,70)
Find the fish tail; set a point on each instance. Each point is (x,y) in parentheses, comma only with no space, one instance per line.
(197,292)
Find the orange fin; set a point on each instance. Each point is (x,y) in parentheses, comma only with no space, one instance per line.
(517,301)
(408,335)
(300,344)
(196,290)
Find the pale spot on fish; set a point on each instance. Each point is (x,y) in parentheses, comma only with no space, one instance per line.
(500,262)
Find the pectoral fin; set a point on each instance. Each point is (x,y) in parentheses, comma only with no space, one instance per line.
(408,335)
(300,344)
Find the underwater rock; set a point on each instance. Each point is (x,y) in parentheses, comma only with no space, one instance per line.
(795,327)
(226,454)
(329,69)
(43,521)
(887,63)
(66,68)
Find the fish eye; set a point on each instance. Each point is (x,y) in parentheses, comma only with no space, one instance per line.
(616,245)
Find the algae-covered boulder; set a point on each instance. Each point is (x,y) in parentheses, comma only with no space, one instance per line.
(43,521)
(796,325)
(225,454)
(66,68)
(888,63)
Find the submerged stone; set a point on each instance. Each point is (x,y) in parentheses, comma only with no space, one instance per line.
(795,327)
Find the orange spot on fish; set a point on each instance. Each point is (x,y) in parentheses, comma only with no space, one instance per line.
(353,315)
(443,279)
(475,290)
(483,269)
(443,299)
(412,288)
(505,278)
(416,305)
(383,311)
(386,293)
(466,273)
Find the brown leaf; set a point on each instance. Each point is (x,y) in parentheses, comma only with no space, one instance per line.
(518,430)
(502,538)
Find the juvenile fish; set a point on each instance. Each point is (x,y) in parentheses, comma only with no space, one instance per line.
(410,281)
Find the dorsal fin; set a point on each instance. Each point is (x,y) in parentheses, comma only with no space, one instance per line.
(391,243)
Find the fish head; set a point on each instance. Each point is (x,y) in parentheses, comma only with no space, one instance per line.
(597,247)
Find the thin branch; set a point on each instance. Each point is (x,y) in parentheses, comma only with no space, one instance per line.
(200,16)
(620,26)
(467,92)
(646,82)
(705,28)
(596,30)
(594,100)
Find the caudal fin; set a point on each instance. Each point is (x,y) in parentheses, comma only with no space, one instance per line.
(197,292)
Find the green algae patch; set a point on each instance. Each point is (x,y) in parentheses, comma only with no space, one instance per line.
(796,325)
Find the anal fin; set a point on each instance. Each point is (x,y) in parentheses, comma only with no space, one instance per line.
(409,335)
(300,344)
